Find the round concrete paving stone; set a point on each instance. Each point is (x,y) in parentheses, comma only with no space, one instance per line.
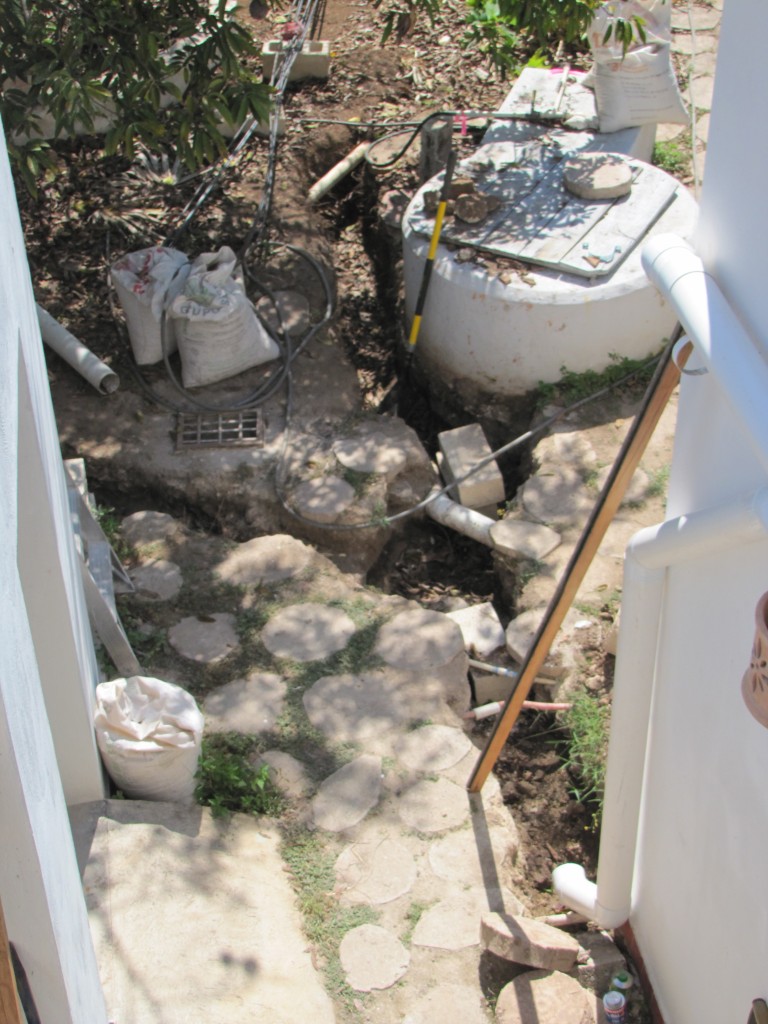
(293,310)
(370,453)
(433,806)
(372,958)
(448,1003)
(307,632)
(454,923)
(157,580)
(205,640)
(472,858)
(366,708)
(547,997)
(324,499)
(142,528)
(432,748)
(264,560)
(419,639)
(346,796)
(250,705)
(287,773)
(372,873)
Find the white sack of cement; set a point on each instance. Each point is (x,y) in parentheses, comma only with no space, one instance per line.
(149,733)
(146,282)
(217,330)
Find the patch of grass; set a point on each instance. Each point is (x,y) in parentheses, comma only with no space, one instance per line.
(574,387)
(415,911)
(108,520)
(326,922)
(658,482)
(587,747)
(673,156)
(228,782)
(359,482)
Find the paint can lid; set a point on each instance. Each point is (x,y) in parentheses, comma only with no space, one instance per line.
(622,981)
(613,1000)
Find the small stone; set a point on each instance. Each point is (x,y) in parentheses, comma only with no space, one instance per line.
(345,797)
(324,499)
(481,628)
(472,209)
(157,580)
(372,958)
(546,997)
(465,255)
(205,638)
(307,632)
(523,940)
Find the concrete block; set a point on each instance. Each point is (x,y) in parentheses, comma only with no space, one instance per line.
(314,60)
(523,940)
(462,449)
(481,628)
(597,962)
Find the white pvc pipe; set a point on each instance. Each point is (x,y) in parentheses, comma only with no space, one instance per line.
(460,518)
(649,554)
(326,183)
(80,358)
(720,339)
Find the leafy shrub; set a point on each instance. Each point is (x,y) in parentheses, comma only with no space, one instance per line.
(228,782)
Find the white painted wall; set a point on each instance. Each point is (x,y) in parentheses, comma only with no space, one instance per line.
(39,880)
(700,900)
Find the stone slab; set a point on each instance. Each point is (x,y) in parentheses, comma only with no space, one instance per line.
(183,910)
(558,497)
(345,797)
(523,940)
(480,626)
(521,539)
(473,858)
(446,1003)
(462,449)
(264,560)
(287,773)
(432,748)
(598,961)
(373,872)
(454,923)
(546,997)
(157,580)
(324,499)
(147,527)
(250,705)
(370,453)
(372,958)
(307,632)
(365,708)
(419,639)
(206,640)
(433,806)
(520,633)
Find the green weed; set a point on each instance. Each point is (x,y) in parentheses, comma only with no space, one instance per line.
(574,387)
(228,782)
(587,748)
(658,482)
(673,156)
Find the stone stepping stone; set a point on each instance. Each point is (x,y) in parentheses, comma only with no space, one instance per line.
(433,806)
(375,871)
(324,499)
(264,560)
(448,1003)
(205,640)
(419,639)
(364,708)
(520,539)
(454,923)
(157,580)
(547,997)
(372,958)
(288,773)
(637,490)
(522,940)
(307,632)
(346,796)
(250,705)
(480,627)
(432,748)
(557,496)
(520,634)
(143,528)
(371,453)
(461,856)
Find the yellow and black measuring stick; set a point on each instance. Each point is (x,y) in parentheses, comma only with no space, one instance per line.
(439,216)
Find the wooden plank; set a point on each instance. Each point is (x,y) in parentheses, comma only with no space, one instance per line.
(10,1008)
(108,627)
(659,391)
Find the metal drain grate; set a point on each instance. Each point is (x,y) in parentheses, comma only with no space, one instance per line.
(220,430)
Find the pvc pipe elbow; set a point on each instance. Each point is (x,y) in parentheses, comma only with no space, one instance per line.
(578,893)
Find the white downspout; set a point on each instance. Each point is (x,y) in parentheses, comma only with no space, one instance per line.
(733,358)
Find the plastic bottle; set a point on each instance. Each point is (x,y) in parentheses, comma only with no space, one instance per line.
(615,1006)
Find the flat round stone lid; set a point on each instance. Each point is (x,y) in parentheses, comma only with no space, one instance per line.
(598,176)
